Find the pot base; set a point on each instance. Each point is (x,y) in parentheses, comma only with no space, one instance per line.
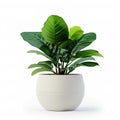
(60,102)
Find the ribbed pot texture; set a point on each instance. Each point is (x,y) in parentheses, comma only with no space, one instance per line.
(60,92)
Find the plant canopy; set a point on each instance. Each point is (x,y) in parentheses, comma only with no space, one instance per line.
(63,47)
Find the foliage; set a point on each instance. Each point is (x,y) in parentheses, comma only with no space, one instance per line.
(62,47)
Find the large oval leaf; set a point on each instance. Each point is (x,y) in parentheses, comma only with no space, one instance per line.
(55,30)
(75,33)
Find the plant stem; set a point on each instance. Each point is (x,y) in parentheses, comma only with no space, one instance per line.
(56,70)
(62,63)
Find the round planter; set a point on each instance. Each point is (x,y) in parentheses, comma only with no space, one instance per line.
(60,92)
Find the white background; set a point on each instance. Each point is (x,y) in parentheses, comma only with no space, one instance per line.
(102,84)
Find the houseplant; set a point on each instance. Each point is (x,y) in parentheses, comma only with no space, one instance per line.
(64,50)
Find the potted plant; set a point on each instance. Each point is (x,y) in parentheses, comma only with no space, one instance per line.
(64,50)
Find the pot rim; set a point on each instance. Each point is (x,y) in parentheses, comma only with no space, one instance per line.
(60,74)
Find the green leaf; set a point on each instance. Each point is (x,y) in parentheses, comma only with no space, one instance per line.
(34,65)
(33,38)
(40,53)
(85,41)
(46,64)
(75,33)
(65,44)
(81,60)
(40,70)
(35,51)
(55,30)
(78,63)
(39,65)
(43,66)
(88,53)
(89,64)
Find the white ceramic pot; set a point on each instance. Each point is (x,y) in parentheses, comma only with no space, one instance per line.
(60,92)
